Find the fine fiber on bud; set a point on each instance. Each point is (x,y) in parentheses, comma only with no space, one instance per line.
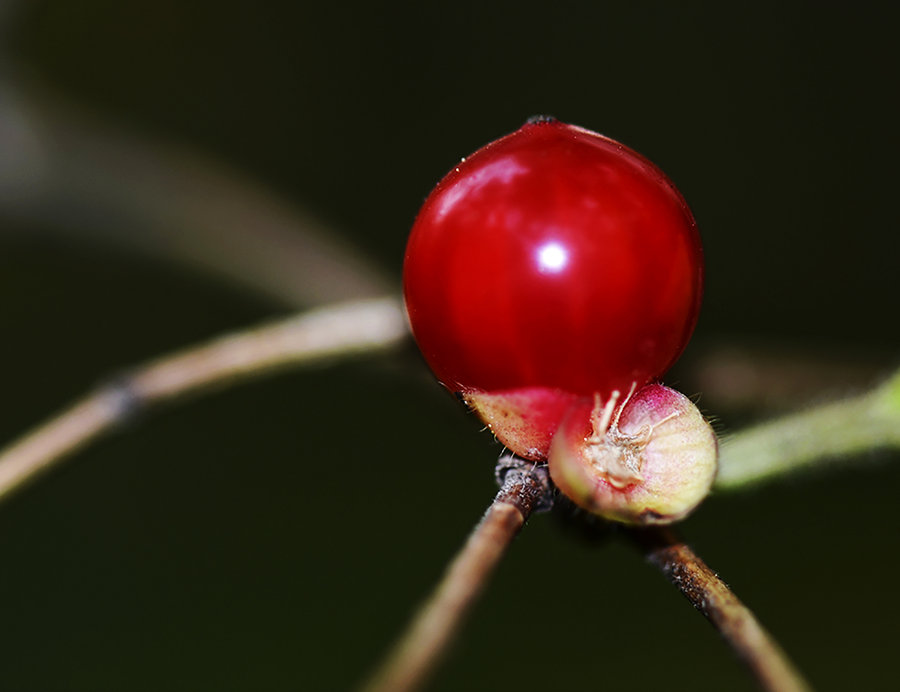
(649,460)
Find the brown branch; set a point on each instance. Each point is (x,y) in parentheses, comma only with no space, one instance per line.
(525,489)
(712,597)
(336,330)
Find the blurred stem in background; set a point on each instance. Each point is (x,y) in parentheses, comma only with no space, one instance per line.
(832,432)
(64,171)
(319,335)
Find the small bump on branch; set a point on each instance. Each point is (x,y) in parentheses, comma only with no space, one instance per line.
(524,484)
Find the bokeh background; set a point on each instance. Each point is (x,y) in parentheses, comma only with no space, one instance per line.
(278,535)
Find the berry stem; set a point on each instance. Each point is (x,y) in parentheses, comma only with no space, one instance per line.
(337,330)
(525,488)
(836,430)
(712,597)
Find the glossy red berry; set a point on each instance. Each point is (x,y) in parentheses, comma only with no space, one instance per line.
(551,266)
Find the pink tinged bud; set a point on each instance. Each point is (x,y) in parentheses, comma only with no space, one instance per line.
(650,460)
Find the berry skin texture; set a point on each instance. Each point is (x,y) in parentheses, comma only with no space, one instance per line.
(551,267)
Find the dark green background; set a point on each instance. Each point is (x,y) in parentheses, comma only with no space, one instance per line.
(277,536)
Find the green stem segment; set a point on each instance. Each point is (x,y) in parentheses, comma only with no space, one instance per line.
(838,430)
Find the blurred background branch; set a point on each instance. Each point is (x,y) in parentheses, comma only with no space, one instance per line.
(72,173)
(325,334)
(831,433)
(69,171)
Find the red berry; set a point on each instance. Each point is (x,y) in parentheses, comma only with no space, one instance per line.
(554,264)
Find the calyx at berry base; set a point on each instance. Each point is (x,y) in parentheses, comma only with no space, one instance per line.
(648,460)
(549,278)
